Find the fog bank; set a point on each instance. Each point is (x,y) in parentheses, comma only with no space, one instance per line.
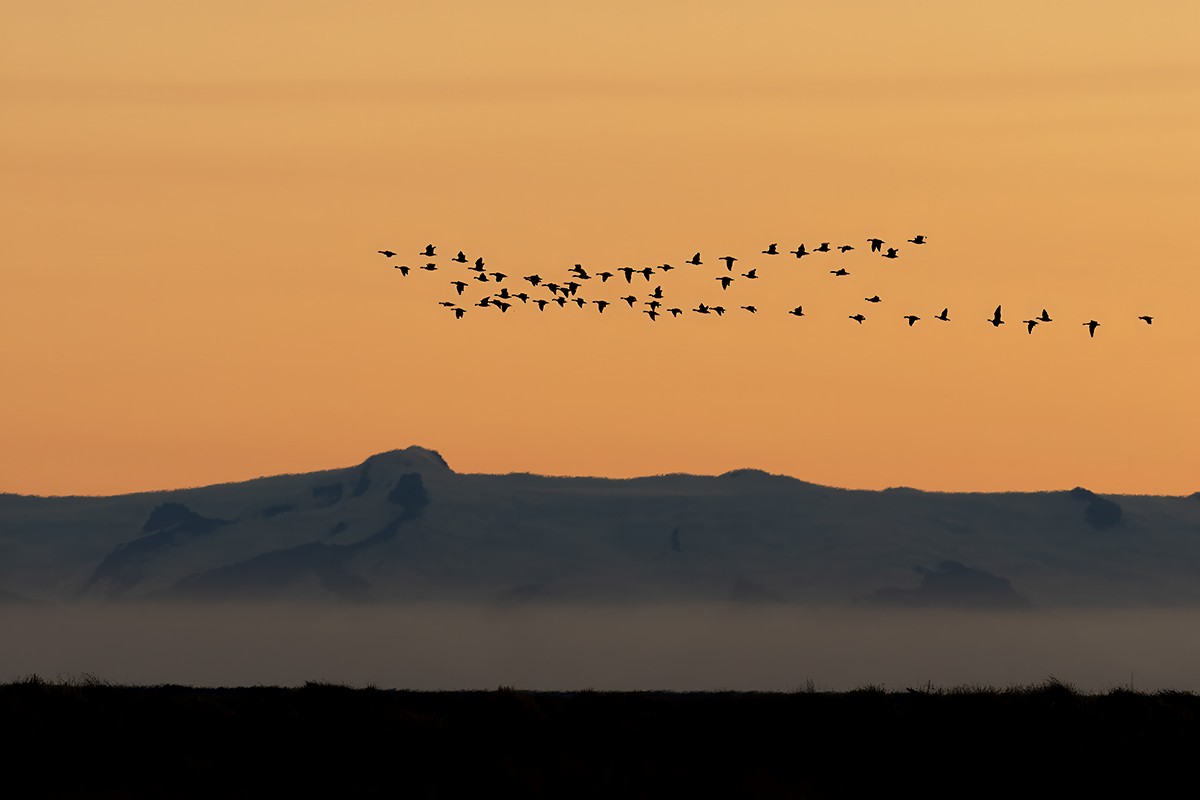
(682,648)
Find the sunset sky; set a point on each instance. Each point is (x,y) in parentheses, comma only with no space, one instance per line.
(193,194)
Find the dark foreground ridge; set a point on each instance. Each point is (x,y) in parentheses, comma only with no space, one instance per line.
(93,739)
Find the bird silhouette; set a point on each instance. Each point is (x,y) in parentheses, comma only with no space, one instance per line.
(798,311)
(484,302)
(534,279)
(751,309)
(579,301)
(628,273)
(604,276)
(652,314)
(524,298)
(876,245)
(562,301)
(646,272)
(665,268)
(1091,326)
(771,251)
(695,260)
(944,316)
(824,248)
(573,287)
(675,312)
(719,309)
(1032,323)
(428,251)
(387,253)
(503,294)
(499,276)
(459,285)
(845,248)
(430,267)
(503,306)
(1045,317)
(838,272)
(460,258)
(654,304)
(447,304)
(752,274)
(479,263)
(541,304)
(403,269)
(553,287)
(601,304)
(858,318)
(459,312)
(799,252)
(657,293)
(918,239)
(482,277)
(630,299)
(873,299)
(891,253)
(1147,319)
(728,262)
(701,309)
(725,281)
(995,320)
(912,319)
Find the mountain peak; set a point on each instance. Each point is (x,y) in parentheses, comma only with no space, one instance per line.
(410,458)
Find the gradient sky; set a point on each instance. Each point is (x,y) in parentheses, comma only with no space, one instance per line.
(193,194)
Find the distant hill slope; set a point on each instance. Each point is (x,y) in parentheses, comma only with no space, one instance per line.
(403,526)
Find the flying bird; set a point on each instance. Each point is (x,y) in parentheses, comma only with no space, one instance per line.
(912,319)
(675,312)
(628,273)
(429,267)
(1032,323)
(751,309)
(459,285)
(799,252)
(541,304)
(771,251)
(891,253)
(876,245)
(839,271)
(701,309)
(719,309)
(1147,319)
(652,314)
(601,304)
(403,269)
(918,239)
(428,251)
(944,316)
(534,279)
(858,318)
(499,276)
(798,311)
(630,299)
(873,299)
(646,272)
(657,293)
(728,262)
(995,320)
(604,276)
(387,253)
(459,312)
(824,248)
(1091,326)
(752,274)
(460,258)
(725,281)
(1045,317)
(845,248)
(479,263)
(695,260)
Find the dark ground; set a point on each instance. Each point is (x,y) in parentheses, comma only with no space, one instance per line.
(89,739)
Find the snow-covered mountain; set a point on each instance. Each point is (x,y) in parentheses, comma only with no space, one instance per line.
(402,526)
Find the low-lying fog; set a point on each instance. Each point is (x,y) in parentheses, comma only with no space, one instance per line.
(619,648)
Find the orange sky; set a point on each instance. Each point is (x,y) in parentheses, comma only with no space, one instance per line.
(193,194)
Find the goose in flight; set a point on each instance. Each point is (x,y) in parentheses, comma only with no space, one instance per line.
(484,302)
(646,272)
(482,277)
(728,262)
(1091,326)
(503,295)
(912,319)
(604,276)
(695,260)
(387,253)
(460,258)
(798,311)
(858,318)
(524,298)
(630,299)
(751,309)
(675,312)
(428,251)
(995,320)
(824,248)
(719,309)
(799,252)
(601,304)
(499,276)
(944,316)
(533,279)
(839,272)
(1147,319)
(654,304)
(873,299)
(1032,323)
(628,273)
(652,314)
(701,309)
(403,269)
(657,293)
(479,263)
(1045,317)
(752,274)
(771,251)
(541,304)
(503,306)
(431,267)
(876,245)
(447,304)
(573,287)
(725,281)
(918,239)
(891,253)
(459,312)
(844,248)
(579,301)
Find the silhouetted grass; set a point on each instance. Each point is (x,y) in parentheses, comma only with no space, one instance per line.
(87,738)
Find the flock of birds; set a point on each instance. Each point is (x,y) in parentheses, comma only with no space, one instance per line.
(500,297)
